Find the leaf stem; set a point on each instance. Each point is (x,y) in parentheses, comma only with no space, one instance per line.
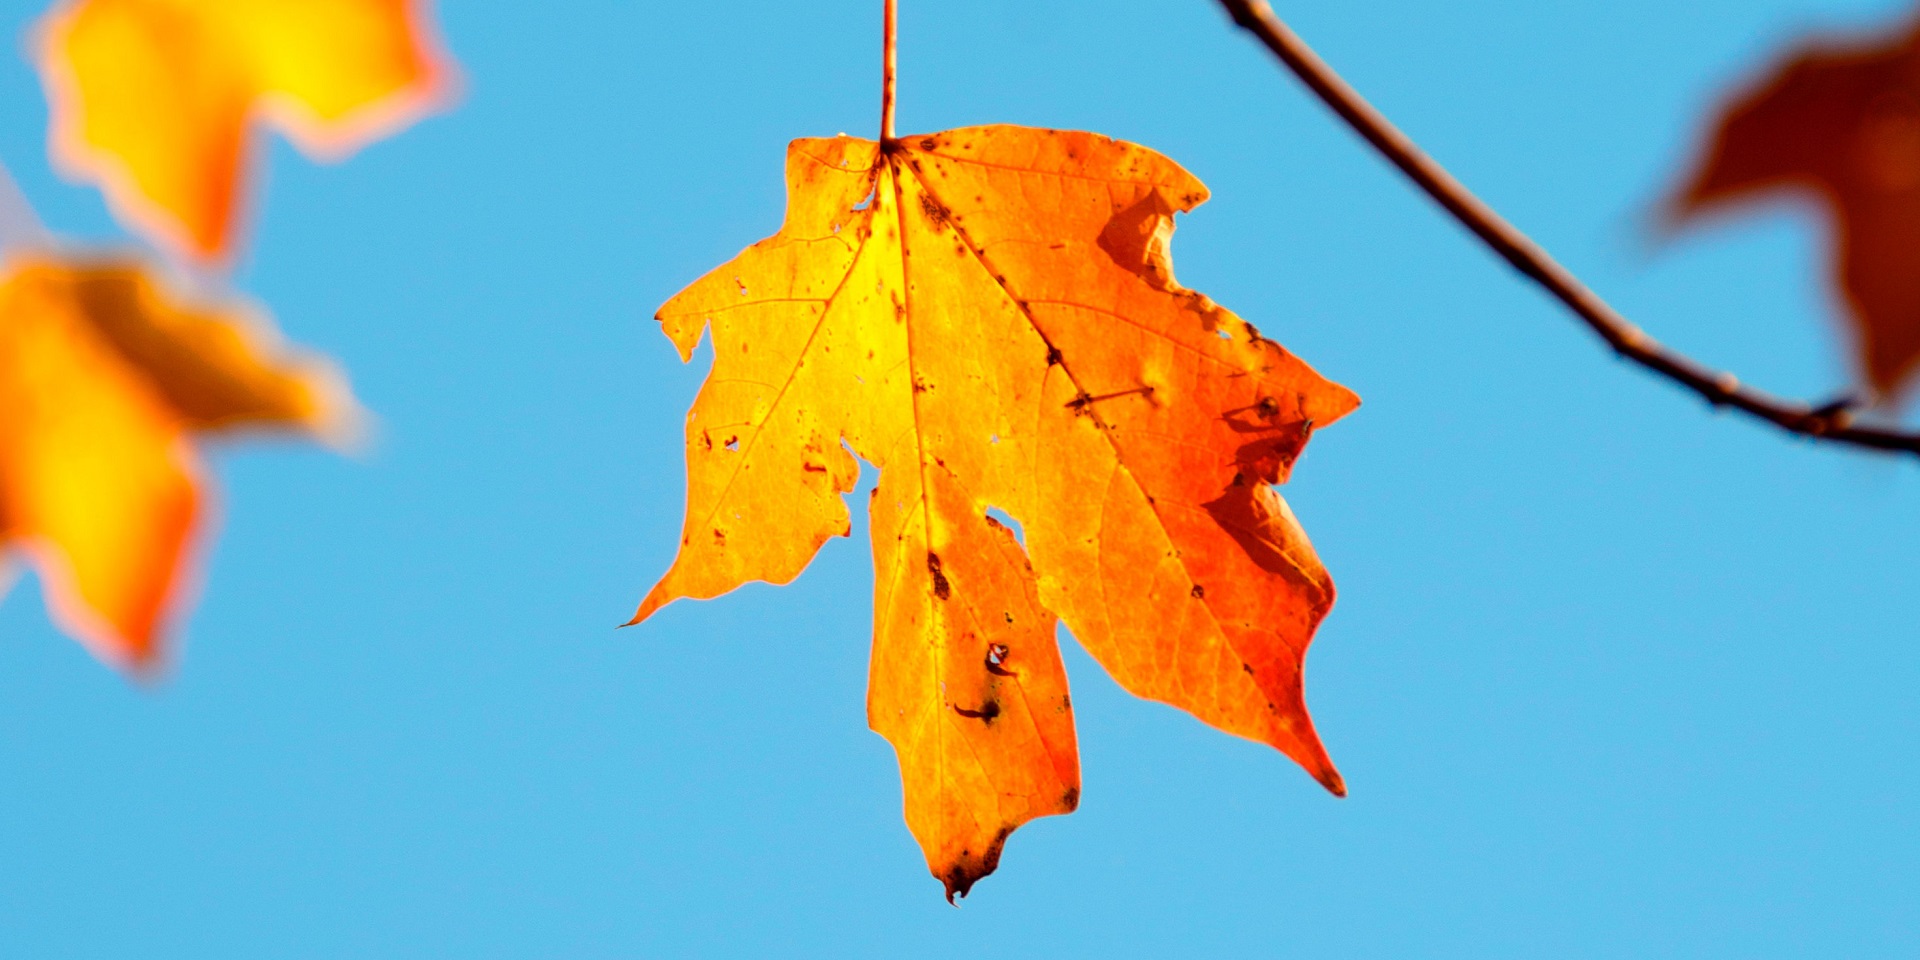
(890,24)
(1831,422)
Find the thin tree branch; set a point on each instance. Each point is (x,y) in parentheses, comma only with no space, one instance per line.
(1832,421)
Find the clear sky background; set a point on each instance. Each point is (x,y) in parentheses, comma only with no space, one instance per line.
(1610,675)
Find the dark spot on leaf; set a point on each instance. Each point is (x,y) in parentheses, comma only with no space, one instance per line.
(941,588)
(986,714)
(1199,592)
(997,654)
(1053,356)
(1071,799)
(969,867)
(928,144)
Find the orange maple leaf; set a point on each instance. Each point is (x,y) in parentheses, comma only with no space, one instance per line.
(103,379)
(1839,122)
(152,99)
(989,316)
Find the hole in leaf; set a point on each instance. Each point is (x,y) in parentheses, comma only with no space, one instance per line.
(997,515)
(865,201)
(733,443)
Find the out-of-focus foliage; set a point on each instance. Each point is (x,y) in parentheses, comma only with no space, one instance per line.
(105,381)
(154,99)
(104,377)
(1838,122)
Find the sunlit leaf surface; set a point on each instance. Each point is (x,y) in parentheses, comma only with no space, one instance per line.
(989,315)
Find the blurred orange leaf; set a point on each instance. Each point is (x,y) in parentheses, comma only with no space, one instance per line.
(152,99)
(989,315)
(103,381)
(1839,122)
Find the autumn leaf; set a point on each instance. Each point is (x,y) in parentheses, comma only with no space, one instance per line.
(152,99)
(1838,122)
(989,316)
(104,380)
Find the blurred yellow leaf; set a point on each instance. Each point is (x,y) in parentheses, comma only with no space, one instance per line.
(104,380)
(153,99)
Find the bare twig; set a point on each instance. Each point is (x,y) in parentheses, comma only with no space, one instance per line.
(1831,421)
(889,24)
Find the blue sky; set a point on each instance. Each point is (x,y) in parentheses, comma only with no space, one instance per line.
(1610,675)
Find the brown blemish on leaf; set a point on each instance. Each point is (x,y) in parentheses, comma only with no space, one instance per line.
(936,211)
(988,712)
(969,867)
(997,654)
(941,588)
